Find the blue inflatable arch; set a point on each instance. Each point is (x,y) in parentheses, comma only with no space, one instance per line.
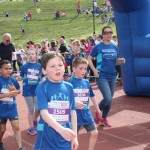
(133,30)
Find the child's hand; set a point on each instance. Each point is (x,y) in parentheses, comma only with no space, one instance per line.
(79,105)
(74,144)
(14,75)
(99,114)
(11,88)
(13,93)
(67,134)
(19,78)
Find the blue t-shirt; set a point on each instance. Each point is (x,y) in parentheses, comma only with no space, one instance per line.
(8,108)
(58,99)
(106,56)
(31,73)
(82,92)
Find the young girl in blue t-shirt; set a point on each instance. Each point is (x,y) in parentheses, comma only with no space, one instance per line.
(57,127)
(31,74)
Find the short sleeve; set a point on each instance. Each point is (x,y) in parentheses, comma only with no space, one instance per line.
(91,92)
(94,51)
(17,86)
(13,48)
(22,71)
(72,100)
(41,97)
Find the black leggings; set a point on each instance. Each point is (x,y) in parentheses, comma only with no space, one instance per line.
(14,65)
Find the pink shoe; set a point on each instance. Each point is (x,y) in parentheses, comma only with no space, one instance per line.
(105,122)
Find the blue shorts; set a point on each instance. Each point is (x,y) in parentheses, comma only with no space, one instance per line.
(8,111)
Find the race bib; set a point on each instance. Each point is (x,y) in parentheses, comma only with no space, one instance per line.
(32,76)
(6,99)
(81,95)
(60,110)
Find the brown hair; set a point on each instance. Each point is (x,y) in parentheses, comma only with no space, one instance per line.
(105,28)
(50,55)
(79,60)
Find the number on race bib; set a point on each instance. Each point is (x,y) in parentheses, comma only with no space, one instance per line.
(59,111)
(81,94)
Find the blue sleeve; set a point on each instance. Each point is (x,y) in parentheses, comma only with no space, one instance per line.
(17,86)
(94,51)
(91,92)
(22,71)
(15,83)
(41,97)
(72,102)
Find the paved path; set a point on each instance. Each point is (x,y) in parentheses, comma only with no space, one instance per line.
(129,116)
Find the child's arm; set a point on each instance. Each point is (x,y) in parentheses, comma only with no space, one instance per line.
(10,94)
(19,78)
(13,88)
(120,61)
(79,105)
(96,106)
(74,143)
(66,133)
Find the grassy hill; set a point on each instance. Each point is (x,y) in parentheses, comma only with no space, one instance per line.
(71,26)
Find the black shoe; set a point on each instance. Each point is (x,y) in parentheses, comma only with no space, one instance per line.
(22,149)
(2,146)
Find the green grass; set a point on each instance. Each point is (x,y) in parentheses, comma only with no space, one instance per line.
(71,26)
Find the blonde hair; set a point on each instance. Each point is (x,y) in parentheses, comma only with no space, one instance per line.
(76,42)
(79,60)
(20,46)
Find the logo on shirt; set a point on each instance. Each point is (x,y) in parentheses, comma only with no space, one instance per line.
(59,96)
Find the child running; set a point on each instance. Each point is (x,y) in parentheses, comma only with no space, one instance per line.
(57,127)
(9,88)
(31,74)
(82,93)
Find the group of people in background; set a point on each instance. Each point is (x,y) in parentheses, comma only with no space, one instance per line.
(58,14)
(62,107)
(98,10)
(27,17)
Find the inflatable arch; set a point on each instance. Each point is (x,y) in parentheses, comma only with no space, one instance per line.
(133,30)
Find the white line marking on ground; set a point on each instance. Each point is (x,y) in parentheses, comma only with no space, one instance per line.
(101,141)
(22,140)
(142,145)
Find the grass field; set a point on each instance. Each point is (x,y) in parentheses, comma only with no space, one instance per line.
(71,26)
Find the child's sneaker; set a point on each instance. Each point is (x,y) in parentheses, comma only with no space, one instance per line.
(2,146)
(105,122)
(21,149)
(32,131)
(96,118)
(35,125)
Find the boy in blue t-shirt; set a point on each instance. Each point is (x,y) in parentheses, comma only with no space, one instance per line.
(9,88)
(82,93)
(57,127)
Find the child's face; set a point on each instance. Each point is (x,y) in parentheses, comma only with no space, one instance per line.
(80,70)
(32,55)
(55,69)
(6,70)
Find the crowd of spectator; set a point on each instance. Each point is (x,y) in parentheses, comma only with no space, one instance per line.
(104,10)
(75,48)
